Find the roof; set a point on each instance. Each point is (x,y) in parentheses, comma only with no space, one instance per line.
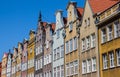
(99,6)
(71,2)
(44,23)
(80,11)
(53,26)
(5,55)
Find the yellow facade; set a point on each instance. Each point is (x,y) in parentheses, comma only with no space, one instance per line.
(31,48)
(109,42)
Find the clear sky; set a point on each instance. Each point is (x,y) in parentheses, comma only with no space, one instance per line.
(18,17)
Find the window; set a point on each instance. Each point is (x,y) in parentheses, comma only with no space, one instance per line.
(75,43)
(47,42)
(118,57)
(67,70)
(88,22)
(36,65)
(105,61)
(70,26)
(88,65)
(111,56)
(110,32)
(71,68)
(76,67)
(58,53)
(30,50)
(104,38)
(58,71)
(54,54)
(84,69)
(116,29)
(62,51)
(62,71)
(83,44)
(58,33)
(93,40)
(93,64)
(85,23)
(71,45)
(88,42)
(55,72)
(41,49)
(67,47)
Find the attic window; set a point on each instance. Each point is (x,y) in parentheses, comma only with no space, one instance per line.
(85,23)
(58,33)
(70,26)
(88,22)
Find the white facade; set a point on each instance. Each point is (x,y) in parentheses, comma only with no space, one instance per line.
(58,47)
(9,64)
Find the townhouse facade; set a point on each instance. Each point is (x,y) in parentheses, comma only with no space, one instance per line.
(108,23)
(58,46)
(19,60)
(24,58)
(47,68)
(4,65)
(39,47)
(31,50)
(71,56)
(89,55)
(14,62)
(9,64)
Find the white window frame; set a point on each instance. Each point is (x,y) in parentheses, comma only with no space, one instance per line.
(84,67)
(75,43)
(76,67)
(83,44)
(118,57)
(58,33)
(109,32)
(105,61)
(88,42)
(55,54)
(88,65)
(94,64)
(62,70)
(103,36)
(93,40)
(67,70)
(116,29)
(71,68)
(62,51)
(71,45)
(111,57)
(67,47)
(55,72)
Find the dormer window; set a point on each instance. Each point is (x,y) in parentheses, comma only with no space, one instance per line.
(58,33)
(70,26)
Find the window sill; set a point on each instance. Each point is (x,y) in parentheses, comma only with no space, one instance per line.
(112,67)
(104,69)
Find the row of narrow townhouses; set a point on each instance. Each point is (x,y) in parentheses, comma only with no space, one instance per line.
(85,43)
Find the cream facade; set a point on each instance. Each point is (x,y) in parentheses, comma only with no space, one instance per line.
(71,56)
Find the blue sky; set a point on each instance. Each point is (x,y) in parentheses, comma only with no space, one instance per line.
(18,17)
